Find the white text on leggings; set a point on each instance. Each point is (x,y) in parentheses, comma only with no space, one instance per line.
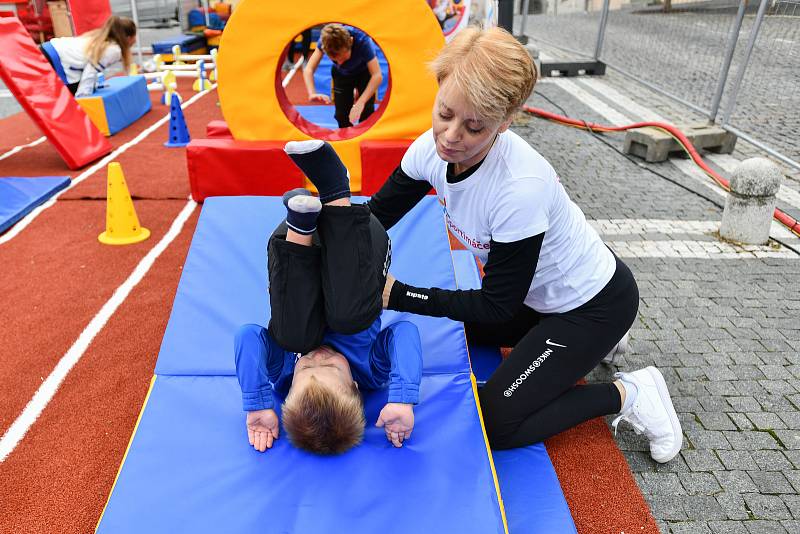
(527,372)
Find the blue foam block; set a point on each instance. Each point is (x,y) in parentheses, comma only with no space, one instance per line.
(190,469)
(126,99)
(322,76)
(320,115)
(188,43)
(19,196)
(199,336)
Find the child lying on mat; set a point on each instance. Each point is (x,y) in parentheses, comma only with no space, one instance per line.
(327,268)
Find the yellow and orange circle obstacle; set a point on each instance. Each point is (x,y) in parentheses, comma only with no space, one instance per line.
(251,50)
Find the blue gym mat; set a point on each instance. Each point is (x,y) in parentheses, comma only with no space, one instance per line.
(19,196)
(320,115)
(527,478)
(189,467)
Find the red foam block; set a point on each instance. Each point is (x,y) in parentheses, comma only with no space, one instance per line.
(378,160)
(41,93)
(218,129)
(226,167)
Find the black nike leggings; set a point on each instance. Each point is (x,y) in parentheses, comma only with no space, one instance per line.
(533,394)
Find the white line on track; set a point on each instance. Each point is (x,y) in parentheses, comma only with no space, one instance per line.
(28,219)
(21,147)
(48,389)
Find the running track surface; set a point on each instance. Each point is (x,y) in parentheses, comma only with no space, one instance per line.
(55,278)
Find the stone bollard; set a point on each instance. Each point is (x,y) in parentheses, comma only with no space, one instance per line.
(751,202)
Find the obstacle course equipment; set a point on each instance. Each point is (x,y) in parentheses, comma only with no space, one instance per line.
(226,167)
(178,132)
(43,96)
(20,195)
(122,223)
(122,101)
(254,102)
(188,45)
(379,159)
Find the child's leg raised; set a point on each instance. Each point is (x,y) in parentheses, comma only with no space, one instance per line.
(295,287)
(355,247)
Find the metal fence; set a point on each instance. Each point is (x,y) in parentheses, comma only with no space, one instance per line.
(736,61)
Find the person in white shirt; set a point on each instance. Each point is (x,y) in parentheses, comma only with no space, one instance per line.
(78,60)
(552,290)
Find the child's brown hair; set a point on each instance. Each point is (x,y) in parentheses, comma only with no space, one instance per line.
(117,30)
(335,38)
(323,421)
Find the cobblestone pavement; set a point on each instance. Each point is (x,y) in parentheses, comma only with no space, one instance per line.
(683,53)
(723,328)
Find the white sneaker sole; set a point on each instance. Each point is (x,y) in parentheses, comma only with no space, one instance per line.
(663,393)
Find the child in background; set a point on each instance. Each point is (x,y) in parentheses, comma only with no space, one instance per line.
(327,267)
(355,67)
(78,60)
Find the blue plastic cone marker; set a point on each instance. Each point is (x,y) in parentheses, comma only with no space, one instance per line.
(178,133)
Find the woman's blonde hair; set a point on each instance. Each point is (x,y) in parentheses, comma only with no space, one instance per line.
(117,30)
(335,37)
(490,68)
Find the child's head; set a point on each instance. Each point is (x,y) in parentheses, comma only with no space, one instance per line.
(118,30)
(324,412)
(336,42)
(490,68)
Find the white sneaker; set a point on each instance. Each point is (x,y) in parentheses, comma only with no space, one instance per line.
(619,348)
(652,413)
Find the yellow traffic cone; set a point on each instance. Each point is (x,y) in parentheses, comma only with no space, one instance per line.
(122,224)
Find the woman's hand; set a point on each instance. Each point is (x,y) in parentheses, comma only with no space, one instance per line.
(387,290)
(355,112)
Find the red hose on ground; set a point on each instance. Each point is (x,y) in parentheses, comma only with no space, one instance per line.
(783,218)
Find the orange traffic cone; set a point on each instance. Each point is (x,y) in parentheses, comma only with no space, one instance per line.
(122,224)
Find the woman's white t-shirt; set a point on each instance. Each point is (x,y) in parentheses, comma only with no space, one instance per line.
(513,195)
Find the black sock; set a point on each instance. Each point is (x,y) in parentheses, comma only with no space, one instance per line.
(320,163)
(302,212)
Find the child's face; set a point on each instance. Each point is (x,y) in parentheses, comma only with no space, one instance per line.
(340,56)
(327,366)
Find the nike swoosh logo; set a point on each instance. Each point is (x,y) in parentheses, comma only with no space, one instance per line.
(555,344)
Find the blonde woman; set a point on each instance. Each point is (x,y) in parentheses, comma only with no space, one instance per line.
(552,290)
(78,60)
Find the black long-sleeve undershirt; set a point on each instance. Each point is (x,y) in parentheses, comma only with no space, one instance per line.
(508,271)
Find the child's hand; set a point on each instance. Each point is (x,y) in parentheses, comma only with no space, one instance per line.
(318,97)
(397,420)
(262,429)
(355,112)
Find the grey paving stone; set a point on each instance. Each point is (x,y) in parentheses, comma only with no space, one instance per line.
(741,421)
(727,527)
(792,527)
(715,421)
(792,502)
(734,506)
(744,404)
(766,421)
(789,438)
(661,484)
(737,460)
(766,506)
(703,507)
(689,527)
(793,477)
(771,460)
(707,439)
(765,527)
(667,507)
(702,461)
(700,483)
(794,457)
(790,419)
(735,482)
(771,482)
